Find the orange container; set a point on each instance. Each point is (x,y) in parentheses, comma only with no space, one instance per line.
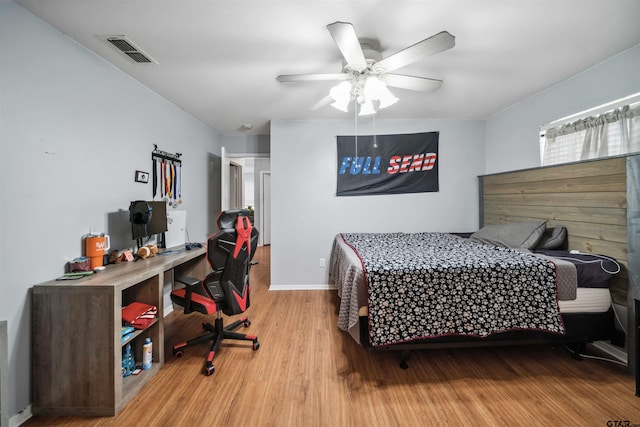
(95,248)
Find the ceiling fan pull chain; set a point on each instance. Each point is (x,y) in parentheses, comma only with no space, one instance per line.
(355,118)
(375,142)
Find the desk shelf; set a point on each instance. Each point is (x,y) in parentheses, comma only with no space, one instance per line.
(132,384)
(136,333)
(77,341)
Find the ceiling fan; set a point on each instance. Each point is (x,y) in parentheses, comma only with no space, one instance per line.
(366,74)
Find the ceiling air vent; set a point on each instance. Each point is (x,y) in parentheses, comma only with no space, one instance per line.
(128,48)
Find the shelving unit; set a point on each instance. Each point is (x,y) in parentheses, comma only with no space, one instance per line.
(132,384)
(77,343)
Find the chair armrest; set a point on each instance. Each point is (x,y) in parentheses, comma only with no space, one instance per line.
(189,283)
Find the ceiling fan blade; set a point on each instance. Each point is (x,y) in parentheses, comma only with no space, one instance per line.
(434,44)
(347,41)
(322,103)
(410,82)
(285,78)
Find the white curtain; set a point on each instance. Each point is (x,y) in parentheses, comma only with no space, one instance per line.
(609,134)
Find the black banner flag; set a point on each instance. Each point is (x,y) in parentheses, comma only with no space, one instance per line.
(387,164)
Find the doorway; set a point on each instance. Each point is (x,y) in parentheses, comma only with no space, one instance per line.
(244,187)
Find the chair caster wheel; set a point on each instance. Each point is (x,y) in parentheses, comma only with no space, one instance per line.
(247,323)
(209,370)
(256,345)
(177,352)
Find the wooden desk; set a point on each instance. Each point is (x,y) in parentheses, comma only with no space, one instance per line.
(76,338)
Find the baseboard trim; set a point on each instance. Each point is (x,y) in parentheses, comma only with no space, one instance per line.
(4,374)
(310,287)
(167,310)
(21,417)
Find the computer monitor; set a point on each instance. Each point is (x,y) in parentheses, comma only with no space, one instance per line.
(147,219)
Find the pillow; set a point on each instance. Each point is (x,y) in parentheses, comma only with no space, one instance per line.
(519,235)
(593,270)
(553,238)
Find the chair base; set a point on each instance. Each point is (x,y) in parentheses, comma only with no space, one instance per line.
(216,334)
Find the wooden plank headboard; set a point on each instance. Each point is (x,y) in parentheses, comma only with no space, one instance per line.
(588,198)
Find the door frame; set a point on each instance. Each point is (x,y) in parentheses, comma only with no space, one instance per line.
(265,215)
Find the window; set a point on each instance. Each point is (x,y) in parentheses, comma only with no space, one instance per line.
(614,130)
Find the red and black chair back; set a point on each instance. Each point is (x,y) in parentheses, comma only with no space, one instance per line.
(229,252)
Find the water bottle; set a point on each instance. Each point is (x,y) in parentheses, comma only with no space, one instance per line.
(128,364)
(147,354)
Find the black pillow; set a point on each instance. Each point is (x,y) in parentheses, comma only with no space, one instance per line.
(594,271)
(552,238)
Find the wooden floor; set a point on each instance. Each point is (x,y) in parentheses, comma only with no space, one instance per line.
(309,373)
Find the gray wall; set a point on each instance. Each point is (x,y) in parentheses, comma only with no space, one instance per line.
(247,145)
(512,138)
(306,214)
(73,131)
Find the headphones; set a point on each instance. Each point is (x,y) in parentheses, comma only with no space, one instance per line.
(140,212)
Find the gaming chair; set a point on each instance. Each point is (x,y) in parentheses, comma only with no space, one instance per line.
(226,289)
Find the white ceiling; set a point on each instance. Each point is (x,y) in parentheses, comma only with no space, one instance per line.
(218,59)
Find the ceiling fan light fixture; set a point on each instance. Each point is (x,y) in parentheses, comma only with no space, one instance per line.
(376,89)
(341,94)
(341,105)
(386,98)
(367,108)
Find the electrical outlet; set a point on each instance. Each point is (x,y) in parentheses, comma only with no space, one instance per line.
(321,262)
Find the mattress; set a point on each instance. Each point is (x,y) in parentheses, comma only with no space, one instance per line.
(588,300)
(347,274)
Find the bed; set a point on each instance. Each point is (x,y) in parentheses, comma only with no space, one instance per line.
(402,291)
(587,199)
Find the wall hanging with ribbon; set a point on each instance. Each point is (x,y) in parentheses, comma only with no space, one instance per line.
(167,176)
